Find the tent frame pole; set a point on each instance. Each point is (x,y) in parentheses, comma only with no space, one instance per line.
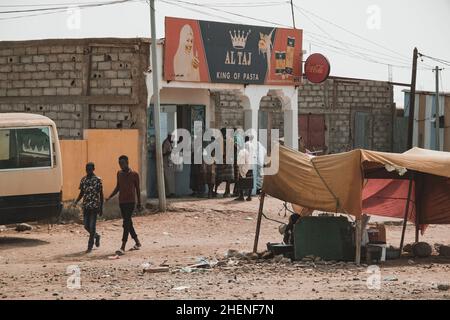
(405,218)
(358,238)
(258,223)
(418,212)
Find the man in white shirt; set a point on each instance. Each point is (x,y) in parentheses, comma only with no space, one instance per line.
(246,159)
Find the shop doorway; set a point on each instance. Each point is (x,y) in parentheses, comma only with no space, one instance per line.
(363,130)
(172,117)
(311,128)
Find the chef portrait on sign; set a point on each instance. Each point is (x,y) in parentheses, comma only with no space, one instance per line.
(185,62)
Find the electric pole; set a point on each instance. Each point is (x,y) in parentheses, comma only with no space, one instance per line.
(156,113)
(293,17)
(412,100)
(438,148)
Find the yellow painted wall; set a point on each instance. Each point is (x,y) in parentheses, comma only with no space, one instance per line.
(103,147)
(74,159)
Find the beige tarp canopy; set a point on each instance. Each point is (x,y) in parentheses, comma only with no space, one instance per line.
(335,183)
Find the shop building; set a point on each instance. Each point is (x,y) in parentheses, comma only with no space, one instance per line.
(90,84)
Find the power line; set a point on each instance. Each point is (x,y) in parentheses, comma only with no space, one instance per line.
(245,4)
(101,4)
(43,4)
(353,33)
(64,9)
(324,31)
(342,51)
(442,61)
(229,12)
(199,11)
(373,52)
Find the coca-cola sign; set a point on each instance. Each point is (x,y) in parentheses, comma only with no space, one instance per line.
(317,68)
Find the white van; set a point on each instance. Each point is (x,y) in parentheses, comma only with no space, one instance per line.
(30,168)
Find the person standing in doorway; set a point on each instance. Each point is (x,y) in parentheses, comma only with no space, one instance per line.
(129,191)
(169,168)
(91,191)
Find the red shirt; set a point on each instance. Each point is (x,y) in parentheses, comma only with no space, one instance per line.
(127,182)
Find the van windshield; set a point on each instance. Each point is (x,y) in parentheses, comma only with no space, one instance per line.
(25,148)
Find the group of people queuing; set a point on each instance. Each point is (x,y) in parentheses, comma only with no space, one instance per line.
(242,167)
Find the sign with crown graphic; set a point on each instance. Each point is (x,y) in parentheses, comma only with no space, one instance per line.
(206,51)
(239,38)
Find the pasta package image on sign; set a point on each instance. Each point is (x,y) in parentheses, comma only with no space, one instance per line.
(205,51)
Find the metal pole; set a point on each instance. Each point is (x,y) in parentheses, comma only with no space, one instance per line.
(258,223)
(437,108)
(293,16)
(156,107)
(405,219)
(412,100)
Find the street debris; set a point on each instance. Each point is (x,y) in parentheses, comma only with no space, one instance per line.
(181,288)
(443,287)
(442,250)
(421,249)
(151,269)
(390,278)
(23,227)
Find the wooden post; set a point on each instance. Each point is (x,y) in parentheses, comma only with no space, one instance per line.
(419,190)
(417,228)
(358,239)
(412,99)
(405,219)
(258,223)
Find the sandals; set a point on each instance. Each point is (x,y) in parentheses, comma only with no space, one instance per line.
(135,247)
(120,252)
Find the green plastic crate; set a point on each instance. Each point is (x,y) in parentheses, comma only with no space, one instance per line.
(327,237)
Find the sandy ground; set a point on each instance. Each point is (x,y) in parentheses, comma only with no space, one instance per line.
(33,264)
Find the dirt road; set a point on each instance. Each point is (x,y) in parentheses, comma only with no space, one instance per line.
(33,264)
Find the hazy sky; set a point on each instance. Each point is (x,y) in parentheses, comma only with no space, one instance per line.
(397,26)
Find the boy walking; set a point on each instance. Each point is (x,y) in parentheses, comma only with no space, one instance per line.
(129,192)
(91,190)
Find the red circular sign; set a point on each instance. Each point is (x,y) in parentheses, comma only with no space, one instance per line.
(317,68)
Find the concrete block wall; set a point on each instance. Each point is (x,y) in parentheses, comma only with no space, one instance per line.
(229,112)
(112,117)
(339,99)
(40,70)
(67,117)
(78,83)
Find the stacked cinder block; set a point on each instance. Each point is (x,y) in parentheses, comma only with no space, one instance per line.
(339,99)
(229,112)
(78,83)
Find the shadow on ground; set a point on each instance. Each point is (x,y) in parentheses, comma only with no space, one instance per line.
(20,242)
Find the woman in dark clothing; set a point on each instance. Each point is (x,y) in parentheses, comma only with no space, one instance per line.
(197,178)
(225,172)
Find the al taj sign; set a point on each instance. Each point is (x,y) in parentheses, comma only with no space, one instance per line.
(205,51)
